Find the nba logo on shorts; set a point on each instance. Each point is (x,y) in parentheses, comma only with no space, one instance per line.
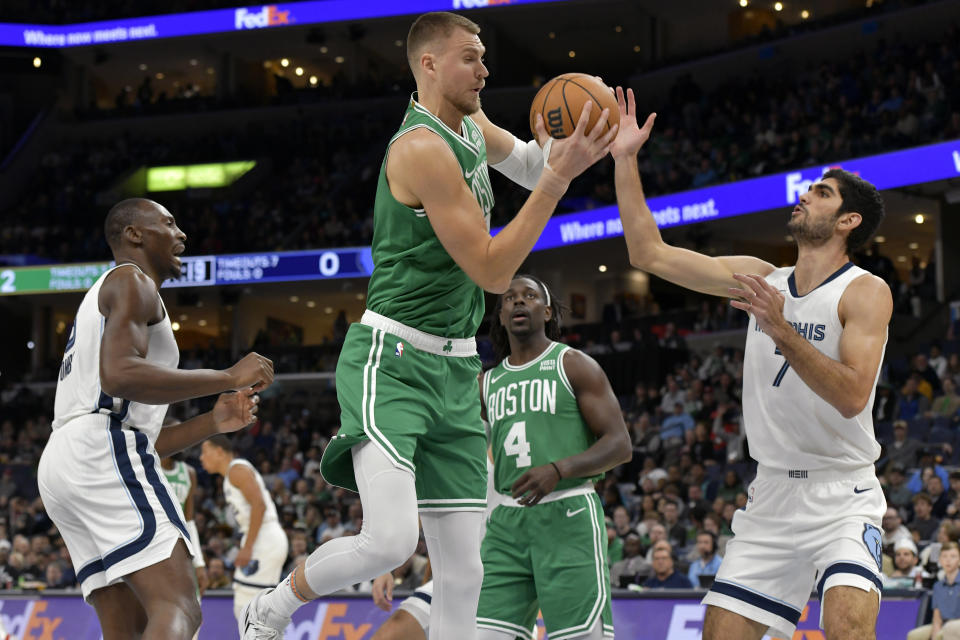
(750,496)
(399,351)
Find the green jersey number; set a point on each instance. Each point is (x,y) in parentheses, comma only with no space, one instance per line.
(516,444)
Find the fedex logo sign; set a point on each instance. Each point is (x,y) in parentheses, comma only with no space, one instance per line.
(797,186)
(266,16)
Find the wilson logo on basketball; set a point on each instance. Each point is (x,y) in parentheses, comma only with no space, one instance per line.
(555,123)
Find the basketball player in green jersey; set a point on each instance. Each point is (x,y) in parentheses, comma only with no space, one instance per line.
(411,437)
(182,478)
(555,427)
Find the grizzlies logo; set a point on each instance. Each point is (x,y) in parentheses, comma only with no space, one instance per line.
(872,538)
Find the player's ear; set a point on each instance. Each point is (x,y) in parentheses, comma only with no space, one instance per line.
(428,63)
(849,221)
(132,234)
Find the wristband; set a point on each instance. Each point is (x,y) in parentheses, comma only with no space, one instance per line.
(559,475)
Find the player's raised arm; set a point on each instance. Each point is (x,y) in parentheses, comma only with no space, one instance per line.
(645,246)
(423,172)
(129,302)
(520,161)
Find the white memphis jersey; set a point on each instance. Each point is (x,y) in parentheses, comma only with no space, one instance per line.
(239,504)
(78,387)
(787,425)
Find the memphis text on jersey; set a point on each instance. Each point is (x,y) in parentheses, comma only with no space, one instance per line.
(812,332)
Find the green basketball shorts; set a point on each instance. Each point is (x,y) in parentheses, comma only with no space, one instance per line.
(416,397)
(549,557)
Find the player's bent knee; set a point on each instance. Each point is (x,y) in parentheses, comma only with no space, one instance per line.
(392,548)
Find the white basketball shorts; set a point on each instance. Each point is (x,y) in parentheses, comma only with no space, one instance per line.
(265,568)
(102,486)
(418,604)
(801,529)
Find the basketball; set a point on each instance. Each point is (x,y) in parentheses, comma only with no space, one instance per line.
(561,99)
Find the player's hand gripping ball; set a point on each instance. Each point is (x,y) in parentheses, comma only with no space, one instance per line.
(561,99)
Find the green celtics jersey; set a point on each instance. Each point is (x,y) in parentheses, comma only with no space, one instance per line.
(179,480)
(414,280)
(534,417)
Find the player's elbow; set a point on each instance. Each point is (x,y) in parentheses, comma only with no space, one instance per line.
(113,383)
(621,450)
(852,408)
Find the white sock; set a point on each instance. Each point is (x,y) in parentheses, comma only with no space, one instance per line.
(282,600)
(453,541)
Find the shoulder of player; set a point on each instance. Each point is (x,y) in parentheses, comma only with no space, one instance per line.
(866,294)
(241,474)
(580,368)
(419,146)
(191,473)
(130,287)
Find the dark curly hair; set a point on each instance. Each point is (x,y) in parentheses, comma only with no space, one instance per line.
(861,197)
(498,332)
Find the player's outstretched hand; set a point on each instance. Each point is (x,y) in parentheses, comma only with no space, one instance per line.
(253,370)
(631,137)
(235,410)
(532,486)
(571,156)
(756,296)
(383,591)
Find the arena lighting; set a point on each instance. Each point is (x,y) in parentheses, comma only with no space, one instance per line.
(178,178)
(37,62)
(769,193)
(266,16)
(919,218)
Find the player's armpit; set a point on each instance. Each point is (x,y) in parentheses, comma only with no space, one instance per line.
(865,310)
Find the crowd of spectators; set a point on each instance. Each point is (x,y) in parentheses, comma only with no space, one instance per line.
(320,177)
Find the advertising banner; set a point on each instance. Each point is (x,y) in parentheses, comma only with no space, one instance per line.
(635,618)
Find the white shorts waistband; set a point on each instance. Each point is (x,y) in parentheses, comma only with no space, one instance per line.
(816,475)
(583,490)
(455,347)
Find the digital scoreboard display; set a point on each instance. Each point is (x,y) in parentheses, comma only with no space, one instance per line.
(203,271)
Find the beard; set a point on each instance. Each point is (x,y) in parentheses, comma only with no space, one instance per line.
(810,232)
(467,107)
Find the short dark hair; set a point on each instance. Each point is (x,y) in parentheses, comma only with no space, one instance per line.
(861,197)
(221,441)
(430,26)
(122,215)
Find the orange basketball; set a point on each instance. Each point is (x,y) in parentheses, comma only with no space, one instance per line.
(561,99)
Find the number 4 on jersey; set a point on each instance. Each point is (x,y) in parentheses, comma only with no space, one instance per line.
(516,444)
